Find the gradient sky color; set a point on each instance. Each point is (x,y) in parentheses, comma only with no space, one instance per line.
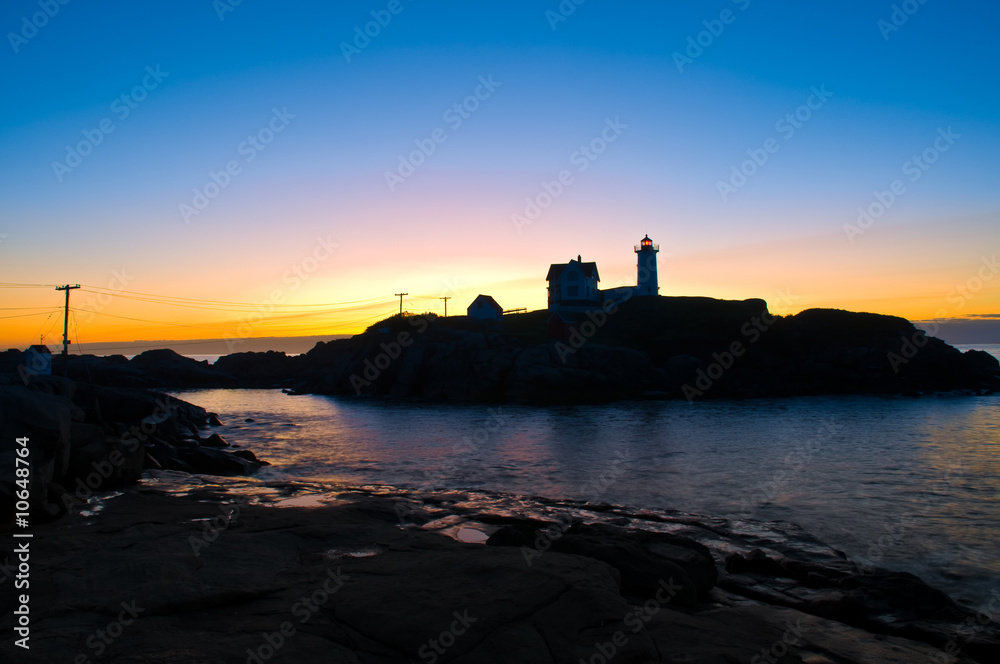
(311,219)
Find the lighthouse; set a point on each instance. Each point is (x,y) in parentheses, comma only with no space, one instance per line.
(646,267)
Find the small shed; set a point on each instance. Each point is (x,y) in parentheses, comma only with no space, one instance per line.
(38,359)
(485,308)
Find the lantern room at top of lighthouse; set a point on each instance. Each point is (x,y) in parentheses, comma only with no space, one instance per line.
(646,245)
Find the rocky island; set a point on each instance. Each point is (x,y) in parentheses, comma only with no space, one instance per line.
(655,347)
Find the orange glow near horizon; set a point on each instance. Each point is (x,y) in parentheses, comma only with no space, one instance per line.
(278,297)
(582,141)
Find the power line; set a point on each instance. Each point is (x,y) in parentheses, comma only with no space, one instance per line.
(40,313)
(170,299)
(41,335)
(282,317)
(14,285)
(146,320)
(187,301)
(107,346)
(342,324)
(23,308)
(273,313)
(241,308)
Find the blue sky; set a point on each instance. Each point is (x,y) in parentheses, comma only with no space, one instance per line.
(559,83)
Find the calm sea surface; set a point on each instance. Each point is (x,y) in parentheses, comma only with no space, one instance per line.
(912,484)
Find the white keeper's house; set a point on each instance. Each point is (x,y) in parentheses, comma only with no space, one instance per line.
(573,286)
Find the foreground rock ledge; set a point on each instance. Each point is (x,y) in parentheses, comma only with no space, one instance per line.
(84,438)
(201,579)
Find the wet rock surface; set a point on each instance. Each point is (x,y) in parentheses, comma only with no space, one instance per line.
(379,575)
(85,438)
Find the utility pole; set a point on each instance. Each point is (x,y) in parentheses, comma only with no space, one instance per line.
(65,353)
(400,296)
(445,304)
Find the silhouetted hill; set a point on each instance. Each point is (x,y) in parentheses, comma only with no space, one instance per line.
(649,347)
(662,347)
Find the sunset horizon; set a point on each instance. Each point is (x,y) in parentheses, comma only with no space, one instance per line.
(185,175)
(117,313)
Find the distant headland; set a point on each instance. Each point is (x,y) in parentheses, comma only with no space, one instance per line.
(642,347)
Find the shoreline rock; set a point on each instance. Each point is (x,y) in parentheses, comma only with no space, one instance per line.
(85,438)
(385,578)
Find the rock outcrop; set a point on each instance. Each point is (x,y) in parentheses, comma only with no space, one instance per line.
(653,347)
(643,560)
(212,578)
(85,438)
(684,348)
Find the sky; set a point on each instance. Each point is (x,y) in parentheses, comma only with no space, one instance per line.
(230,170)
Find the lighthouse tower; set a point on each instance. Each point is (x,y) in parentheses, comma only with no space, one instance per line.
(646,254)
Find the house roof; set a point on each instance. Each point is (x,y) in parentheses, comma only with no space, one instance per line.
(488,300)
(38,348)
(556,269)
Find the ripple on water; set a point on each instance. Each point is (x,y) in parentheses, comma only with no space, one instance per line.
(846,487)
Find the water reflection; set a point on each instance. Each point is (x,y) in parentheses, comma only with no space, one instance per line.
(915,483)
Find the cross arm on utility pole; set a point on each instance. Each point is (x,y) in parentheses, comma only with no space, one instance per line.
(445,304)
(400,296)
(65,351)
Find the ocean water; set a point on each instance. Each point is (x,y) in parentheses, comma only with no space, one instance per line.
(911,484)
